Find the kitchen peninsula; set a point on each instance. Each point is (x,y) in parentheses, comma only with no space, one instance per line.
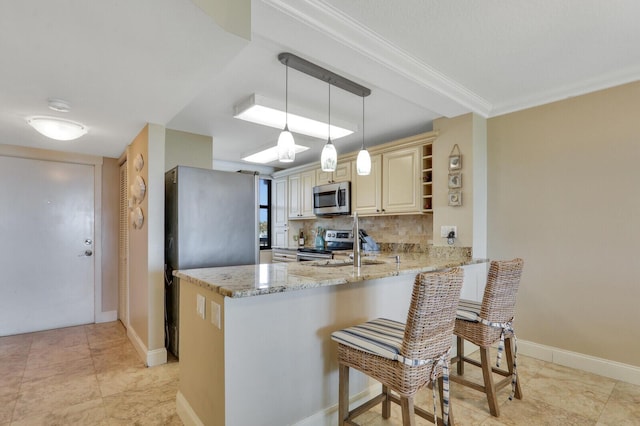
(256,348)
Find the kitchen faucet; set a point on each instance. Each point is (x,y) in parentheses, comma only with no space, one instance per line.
(357,260)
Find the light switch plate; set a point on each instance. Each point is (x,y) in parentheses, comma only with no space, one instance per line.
(445,229)
(200,305)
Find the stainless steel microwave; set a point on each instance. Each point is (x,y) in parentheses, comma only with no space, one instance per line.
(332,199)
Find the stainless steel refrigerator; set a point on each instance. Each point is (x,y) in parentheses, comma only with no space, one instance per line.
(211,219)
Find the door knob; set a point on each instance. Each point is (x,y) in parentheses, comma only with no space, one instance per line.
(86,253)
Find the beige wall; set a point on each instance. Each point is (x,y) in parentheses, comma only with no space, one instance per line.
(451,131)
(232,15)
(110,205)
(146,245)
(138,247)
(188,149)
(563,194)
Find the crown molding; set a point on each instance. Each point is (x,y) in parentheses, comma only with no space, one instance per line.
(334,24)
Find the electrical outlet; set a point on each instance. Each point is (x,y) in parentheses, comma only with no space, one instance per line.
(200,305)
(215,314)
(445,229)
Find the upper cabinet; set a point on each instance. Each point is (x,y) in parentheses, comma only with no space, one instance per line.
(301,195)
(392,187)
(341,174)
(366,191)
(401,186)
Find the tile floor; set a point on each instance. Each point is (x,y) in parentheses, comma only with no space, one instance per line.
(91,375)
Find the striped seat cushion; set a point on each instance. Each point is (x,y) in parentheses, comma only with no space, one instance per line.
(381,337)
(468,310)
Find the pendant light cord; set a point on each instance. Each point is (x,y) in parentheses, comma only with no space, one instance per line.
(363,122)
(286,97)
(329,127)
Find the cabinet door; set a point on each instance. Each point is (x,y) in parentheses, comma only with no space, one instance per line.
(366,195)
(307,182)
(343,172)
(323,178)
(401,185)
(279,213)
(294,197)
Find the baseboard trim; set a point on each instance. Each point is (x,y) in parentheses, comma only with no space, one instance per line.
(328,416)
(108,316)
(603,367)
(150,358)
(185,412)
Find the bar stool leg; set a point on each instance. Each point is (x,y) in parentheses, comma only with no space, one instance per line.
(408,413)
(343,394)
(509,354)
(460,355)
(489,388)
(386,404)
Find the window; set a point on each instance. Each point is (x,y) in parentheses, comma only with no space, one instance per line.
(265,214)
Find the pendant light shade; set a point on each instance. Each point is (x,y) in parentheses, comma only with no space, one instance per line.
(329,156)
(286,144)
(363,162)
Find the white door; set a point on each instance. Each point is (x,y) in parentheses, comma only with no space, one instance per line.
(46,245)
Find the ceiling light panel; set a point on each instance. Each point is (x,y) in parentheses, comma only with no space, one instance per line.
(260,110)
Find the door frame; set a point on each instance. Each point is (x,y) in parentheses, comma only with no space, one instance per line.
(90,160)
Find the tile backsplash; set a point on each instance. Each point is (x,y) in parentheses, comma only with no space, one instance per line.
(402,233)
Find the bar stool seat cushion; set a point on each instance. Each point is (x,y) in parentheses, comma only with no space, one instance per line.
(382,337)
(468,310)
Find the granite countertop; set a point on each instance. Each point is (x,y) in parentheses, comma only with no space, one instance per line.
(255,280)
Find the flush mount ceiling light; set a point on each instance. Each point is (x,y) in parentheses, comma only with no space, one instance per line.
(57,128)
(270,154)
(262,110)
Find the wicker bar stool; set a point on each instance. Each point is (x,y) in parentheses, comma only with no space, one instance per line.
(404,358)
(487,323)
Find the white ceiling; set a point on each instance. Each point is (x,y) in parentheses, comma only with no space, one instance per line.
(123,63)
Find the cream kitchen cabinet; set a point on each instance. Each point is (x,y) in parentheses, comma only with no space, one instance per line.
(393,186)
(401,183)
(301,195)
(279,213)
(341,174)
(366,191)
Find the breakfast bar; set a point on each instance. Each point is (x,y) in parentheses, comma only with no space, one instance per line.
(254,340)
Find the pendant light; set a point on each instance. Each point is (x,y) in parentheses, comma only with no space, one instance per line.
(329,157)
(286,144)
(363,163)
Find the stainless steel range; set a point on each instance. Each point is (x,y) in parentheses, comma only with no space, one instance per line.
(339,239)
(335,240)
(313,254)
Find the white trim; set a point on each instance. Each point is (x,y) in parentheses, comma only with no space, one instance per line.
(329,415)
(156,357)
(107,316)
(150,358)
(185,412)
(603,367)
(333,23)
